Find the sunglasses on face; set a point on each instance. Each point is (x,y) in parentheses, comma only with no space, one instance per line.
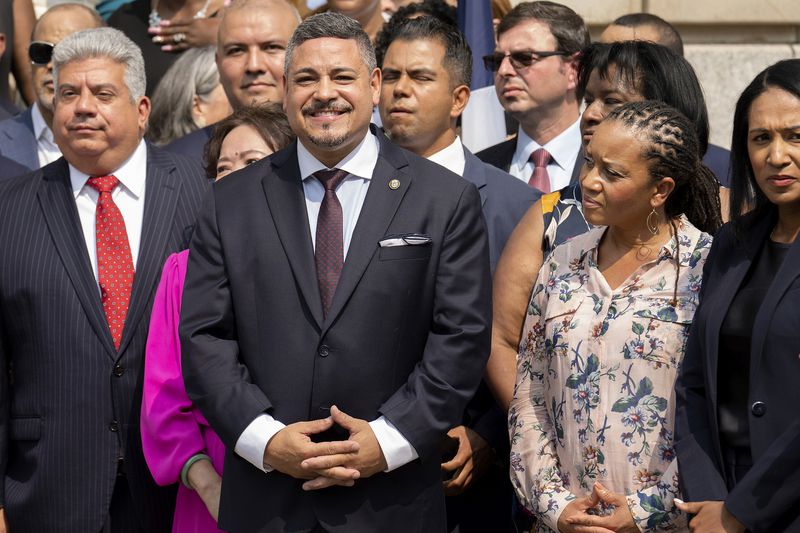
(40,52)
(519,60)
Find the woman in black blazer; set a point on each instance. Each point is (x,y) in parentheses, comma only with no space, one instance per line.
(738,394)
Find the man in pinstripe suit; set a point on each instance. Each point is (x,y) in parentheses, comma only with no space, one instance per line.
(83,241)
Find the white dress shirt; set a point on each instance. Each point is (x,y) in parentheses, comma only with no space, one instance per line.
(128,195)
(359,164)
(452,158)
(563,148)
(46,146)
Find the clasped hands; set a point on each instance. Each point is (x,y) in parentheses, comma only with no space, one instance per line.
(325,464)
(575,518)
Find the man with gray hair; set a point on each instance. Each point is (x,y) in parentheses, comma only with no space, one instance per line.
(336,310)
(86,237)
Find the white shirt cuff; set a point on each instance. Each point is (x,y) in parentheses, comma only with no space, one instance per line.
(254,439)
(396,449)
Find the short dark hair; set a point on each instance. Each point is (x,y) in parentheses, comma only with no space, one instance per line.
(668,35)
(337,26)
(267,119)
(655,72)
(566,25)
(457,53)
(672,151)
(745,192)
(434,8)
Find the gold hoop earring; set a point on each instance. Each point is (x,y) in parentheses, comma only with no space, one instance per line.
(652,225)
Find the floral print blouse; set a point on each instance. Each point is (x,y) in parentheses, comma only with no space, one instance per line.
(596,370)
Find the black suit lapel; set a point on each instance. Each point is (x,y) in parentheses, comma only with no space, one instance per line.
(475,172)
(162,190)
(379,208)
(722,299)
(61,216)
(784,278)
(287,204)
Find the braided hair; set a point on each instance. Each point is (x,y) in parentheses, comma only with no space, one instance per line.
(673,151)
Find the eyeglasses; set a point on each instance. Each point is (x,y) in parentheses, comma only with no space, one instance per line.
(522,59)
(40,52)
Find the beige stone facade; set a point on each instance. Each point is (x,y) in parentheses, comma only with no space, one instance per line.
(727,41)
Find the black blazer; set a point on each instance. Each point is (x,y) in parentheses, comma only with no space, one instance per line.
(407,334)
(70,401)
(768,498)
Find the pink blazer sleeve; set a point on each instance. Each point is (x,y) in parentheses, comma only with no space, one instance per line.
(170,430)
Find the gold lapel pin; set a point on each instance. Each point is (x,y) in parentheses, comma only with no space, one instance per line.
(394,184)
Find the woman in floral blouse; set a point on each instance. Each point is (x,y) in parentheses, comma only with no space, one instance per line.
(591,421)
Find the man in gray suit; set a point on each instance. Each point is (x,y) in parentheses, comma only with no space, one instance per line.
(84,241)
(28,138)
(536,78)
(426,77)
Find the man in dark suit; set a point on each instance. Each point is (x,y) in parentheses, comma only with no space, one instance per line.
(364,291)
(250,48)
(28,138)
(73,314)
(426,75)
(536,79)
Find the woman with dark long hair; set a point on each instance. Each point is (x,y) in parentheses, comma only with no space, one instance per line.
(738,429)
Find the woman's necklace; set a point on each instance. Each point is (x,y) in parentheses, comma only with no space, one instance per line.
(154,19)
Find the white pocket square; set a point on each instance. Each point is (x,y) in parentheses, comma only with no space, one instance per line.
(404,239)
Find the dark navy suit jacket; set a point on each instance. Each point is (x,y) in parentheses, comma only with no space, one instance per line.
(11,169)
(192,144)
(69,401)
(17,141)
(767,499)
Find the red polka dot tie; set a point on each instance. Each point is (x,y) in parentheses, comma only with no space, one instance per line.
(114,259)
(540,179)
(329,248)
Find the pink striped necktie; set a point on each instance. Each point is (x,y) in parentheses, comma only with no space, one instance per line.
(540,179)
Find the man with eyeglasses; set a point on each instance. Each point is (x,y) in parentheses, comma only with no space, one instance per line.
(28,138)
(536,76)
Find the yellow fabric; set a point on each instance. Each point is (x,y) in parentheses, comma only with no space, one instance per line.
(549,201)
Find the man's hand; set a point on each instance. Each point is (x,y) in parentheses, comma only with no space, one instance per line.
(578,508)
(620,520)
(473,458)
(179,35)
(367,459)
(290,447)
(710,517)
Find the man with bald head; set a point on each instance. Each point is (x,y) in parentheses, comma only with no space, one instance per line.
(250,49)
(28,137)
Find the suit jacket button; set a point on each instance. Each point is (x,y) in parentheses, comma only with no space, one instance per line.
(114,426)
(118,371)
(323,351)
(758,408)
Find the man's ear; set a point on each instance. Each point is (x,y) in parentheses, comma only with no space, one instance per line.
(460,100)
(572,64)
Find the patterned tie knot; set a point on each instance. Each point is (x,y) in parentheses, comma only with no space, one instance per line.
(330,179)
(103,183)
(541,158)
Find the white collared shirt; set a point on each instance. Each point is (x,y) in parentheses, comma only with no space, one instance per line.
(452,158)
(563,148)
(128,195)
(351,192)
(46,146)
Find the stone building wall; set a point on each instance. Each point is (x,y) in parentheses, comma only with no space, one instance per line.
(727,41)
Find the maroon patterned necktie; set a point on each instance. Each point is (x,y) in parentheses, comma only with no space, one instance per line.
(329,249)
(540,179)
(114,259)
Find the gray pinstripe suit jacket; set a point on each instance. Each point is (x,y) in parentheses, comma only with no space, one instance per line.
(70,402)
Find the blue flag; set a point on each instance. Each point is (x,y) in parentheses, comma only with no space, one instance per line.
(483,122)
